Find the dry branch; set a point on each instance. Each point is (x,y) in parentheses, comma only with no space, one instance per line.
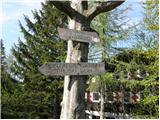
(102,7)
(88,16)
(65,7)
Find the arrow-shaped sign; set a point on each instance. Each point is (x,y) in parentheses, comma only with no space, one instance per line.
(81,36)
(51,69)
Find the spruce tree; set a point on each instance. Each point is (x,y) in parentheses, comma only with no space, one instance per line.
(129,61)
(39,95)
(6,80)
(143,79)
(8,84)
(111,27)
(147,42)
(142,61)
(146,33)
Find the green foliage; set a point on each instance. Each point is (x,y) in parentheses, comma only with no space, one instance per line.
(148,87)
(112,27)
(7,82)
(147,32)
(101,82)
(151,14)
(147,42)
(129,61)
(33,104)
(149,106)
(38,96)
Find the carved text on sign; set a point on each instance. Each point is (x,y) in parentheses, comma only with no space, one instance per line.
(81,36)
(51,69)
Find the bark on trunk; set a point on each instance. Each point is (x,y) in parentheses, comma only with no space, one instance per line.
(102,114)
(66,91)
(74,86)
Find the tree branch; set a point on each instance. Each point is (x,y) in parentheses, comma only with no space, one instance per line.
(85,5)
(86,18)
(65,7)
(102,7)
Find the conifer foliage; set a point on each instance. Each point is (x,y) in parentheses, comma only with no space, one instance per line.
(7,82)
(26,93)
(38,96)
(135,69)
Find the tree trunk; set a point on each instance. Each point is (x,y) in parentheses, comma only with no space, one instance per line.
(102,114)
(66,91)
(74,86)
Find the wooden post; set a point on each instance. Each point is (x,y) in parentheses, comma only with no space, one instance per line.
(66,92)
(79,19)
(74,86)
(102,113)
(78,83)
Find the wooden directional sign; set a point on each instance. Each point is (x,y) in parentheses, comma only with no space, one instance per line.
(51,69)
(82,36)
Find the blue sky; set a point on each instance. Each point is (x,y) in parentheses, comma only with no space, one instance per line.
(12,11)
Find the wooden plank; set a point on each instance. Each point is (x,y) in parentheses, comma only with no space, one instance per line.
(51,69)
(81,36)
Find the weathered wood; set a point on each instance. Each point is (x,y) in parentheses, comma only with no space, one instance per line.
(65,7)
(51,69)
(73,105)
(82,36)
(102,7)
(86,18)
(66,92)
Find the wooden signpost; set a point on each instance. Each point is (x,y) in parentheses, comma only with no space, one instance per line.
(79,19)
(81,36)
(63,69)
